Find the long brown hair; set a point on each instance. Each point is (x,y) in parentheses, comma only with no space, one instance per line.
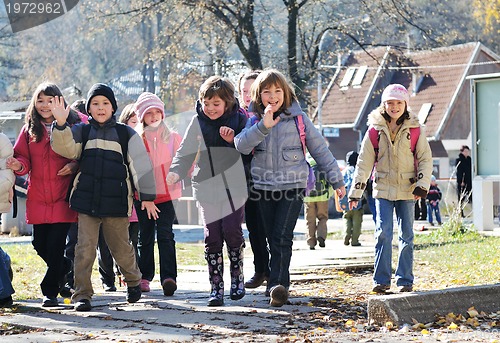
(267,78)
(34,120)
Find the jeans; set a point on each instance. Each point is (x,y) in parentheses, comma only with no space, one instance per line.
(165,240)
(383,241)
(433,208)
(49,241)
(279,211)
(257,237)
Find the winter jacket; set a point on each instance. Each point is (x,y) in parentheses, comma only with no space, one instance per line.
(46,201)
(7,177)
(464,171)
(161,155)
(395,172)
(103,186)
(279,162)
(434,193)
(220,165)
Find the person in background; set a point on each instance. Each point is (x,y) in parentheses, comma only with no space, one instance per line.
(256,234)
(209,144)
(433,198)
(161,144)
(463,165)
(316,207)
(396,185)
(280,170)
(420,209)
(50,176)
(112,156)
(353,217)
(6,276)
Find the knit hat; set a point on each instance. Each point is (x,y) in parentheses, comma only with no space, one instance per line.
(352,158)
(104,90)
(433,178)
(395,92)
(147,101)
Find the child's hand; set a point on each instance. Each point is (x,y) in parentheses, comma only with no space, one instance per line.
(227,134)
(353,204)
(68,169)
(60,112)
(151,208)
(268,119)
(172,178)
(13,163)
(341,192)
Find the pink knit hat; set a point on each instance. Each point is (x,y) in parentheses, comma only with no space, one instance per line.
(147,101)
(395,92)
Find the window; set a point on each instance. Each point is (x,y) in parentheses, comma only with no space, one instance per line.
(347,78)
(358,79)
(424,112)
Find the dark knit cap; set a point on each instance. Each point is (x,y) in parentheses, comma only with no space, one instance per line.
(352,158)
(104,90)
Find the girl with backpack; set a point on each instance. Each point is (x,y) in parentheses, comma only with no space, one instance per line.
(279,169)
(403,167)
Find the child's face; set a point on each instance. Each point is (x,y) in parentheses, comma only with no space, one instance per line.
(273,96)
(153,117)
(395,108)
(213,108)
(100,109)
(246,96)
(132,121)
(42,106)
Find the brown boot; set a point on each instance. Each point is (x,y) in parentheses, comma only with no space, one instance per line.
(256,280)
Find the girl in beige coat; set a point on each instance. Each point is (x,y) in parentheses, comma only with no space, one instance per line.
(401,176)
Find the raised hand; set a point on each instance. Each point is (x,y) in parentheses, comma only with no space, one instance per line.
(227,134)
(59,111)
(268,119)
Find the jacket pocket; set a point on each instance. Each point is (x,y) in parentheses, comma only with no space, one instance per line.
(293,155)
(408,179)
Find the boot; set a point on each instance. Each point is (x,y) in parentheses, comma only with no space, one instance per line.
(237,283)
(215,274)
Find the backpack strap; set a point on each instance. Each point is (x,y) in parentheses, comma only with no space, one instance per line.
(414,134)
(374,137)
(123,136)
(299,121)
(85,136)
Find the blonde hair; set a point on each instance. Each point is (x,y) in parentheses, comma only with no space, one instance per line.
(267,78)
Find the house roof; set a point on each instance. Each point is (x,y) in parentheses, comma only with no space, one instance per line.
(439,74)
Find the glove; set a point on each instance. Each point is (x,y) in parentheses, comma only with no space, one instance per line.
(419,191)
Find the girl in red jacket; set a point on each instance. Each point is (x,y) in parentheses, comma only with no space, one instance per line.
(49,178)
(161,144)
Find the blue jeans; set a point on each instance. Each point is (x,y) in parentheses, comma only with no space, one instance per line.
(164,237)
(435,209)
(383,242)
(279,211)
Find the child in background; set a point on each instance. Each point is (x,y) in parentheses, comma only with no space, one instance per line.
(209,143)
(112,156)
(396,184)
(280,171)
(433,197)
(50,176)
(6,275)
(256,234)
(353,217)
(161,144)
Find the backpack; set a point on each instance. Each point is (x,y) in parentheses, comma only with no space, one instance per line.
(373,134)
(301,128)
(321,184)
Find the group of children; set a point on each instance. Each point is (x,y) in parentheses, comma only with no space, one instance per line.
(247,159)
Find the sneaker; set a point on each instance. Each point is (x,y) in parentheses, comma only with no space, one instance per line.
(169,287)
(83,305)
(109,288)
(50,302)
(406,288)
(255,281)
(6,302)
(66,291)
(279,296)
(145,285)
(321,242)
(134,294)
(356,244)
(347,240)
(380,289)
(312,248)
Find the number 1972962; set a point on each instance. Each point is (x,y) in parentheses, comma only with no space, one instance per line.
(33,8)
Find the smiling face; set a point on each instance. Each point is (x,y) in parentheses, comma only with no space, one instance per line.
(100,109)
(272,95)
(214,107)
(246,95)
(42,106)
(153,117)
(395,108)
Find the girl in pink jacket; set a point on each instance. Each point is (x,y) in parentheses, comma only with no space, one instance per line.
(161,144)
(49,178)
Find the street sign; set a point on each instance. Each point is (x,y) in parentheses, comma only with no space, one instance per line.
(331,132)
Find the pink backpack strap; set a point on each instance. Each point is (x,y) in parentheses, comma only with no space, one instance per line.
(414,134)
(299,121)
(373,135)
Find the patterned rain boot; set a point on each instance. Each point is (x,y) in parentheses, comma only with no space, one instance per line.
(237,281)
(215,273)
